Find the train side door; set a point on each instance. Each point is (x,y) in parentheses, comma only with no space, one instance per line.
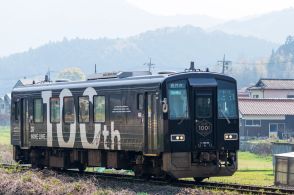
(204,110)
(151,125)
(24,123)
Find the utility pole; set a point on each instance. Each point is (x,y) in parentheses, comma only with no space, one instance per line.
(225,64)
(149,64)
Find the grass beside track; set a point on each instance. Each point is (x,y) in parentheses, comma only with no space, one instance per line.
(4,135)
(252,169)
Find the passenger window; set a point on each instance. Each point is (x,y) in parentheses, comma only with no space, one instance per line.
(38,111)
(54,110)
(140,101)
(68,110)
(84,109)
(99,108)
(178,100)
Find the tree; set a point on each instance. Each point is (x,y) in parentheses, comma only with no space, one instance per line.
(71,73)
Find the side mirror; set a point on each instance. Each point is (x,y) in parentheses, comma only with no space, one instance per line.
(164,105)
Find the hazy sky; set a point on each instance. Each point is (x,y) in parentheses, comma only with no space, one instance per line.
(31,23)
(224,9)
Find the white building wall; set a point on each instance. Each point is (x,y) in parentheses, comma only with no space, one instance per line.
(269,93)
(277,93)
(2,106)
(256,94)
(264,117)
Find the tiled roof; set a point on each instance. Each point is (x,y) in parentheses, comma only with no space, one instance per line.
(274,84)
(252,106)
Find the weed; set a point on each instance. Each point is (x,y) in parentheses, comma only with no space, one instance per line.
(102,192)
(142,193)
(55,181)
(27,177)
(77,186)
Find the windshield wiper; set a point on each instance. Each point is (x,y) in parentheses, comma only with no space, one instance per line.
(226,117)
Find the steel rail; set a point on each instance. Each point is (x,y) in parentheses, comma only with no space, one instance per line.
(244,189)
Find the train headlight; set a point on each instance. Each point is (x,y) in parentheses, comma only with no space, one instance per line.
(177,137)
(231,136)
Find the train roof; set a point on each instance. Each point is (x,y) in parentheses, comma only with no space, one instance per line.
(112,81)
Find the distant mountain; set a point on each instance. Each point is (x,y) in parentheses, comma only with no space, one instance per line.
(169,48)
(32,27)
(274,26)
(281,63)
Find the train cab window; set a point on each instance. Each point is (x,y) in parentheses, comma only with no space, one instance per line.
(38,111)
(99,108)
(140,101)
(178,100)
(227,101)
(54,110)
(84,113)
(68,110)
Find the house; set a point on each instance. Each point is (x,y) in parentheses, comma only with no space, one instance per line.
(272,88)
(264,118)
(243,93)
(5,109)
(5,104)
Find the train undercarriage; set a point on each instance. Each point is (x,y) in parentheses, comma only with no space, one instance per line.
(199,165)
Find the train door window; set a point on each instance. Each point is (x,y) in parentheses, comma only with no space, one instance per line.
(204,106)
(16,110)
(140,101)
(54,110)
(84,113)
(38,111)
(99,108)
(68,110)
(178,100)
(154,121)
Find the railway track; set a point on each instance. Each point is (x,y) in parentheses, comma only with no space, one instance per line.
(243,189)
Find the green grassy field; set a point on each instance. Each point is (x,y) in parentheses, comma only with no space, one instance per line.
(252,168)
(4,135)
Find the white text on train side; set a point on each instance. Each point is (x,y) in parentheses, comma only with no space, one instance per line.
(98,131)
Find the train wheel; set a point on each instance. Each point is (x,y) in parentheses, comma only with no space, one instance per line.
(138,170)
(37,166)
(169,178)
(36,159)
(198,179)
(82,168)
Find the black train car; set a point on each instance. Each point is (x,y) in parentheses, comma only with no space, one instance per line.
(181,125)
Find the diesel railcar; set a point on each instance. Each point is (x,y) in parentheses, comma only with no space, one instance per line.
(173,124)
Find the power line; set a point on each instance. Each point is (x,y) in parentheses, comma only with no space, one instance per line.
(263,63)
(225,64)
(149,64)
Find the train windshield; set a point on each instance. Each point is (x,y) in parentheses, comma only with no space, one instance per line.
(226,100)
(178,100)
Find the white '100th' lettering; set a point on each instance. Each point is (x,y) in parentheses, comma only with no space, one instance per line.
(90,92)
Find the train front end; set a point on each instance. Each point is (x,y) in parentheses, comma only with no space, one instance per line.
(201,125)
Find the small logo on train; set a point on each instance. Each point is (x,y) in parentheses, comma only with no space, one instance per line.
(204,128)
